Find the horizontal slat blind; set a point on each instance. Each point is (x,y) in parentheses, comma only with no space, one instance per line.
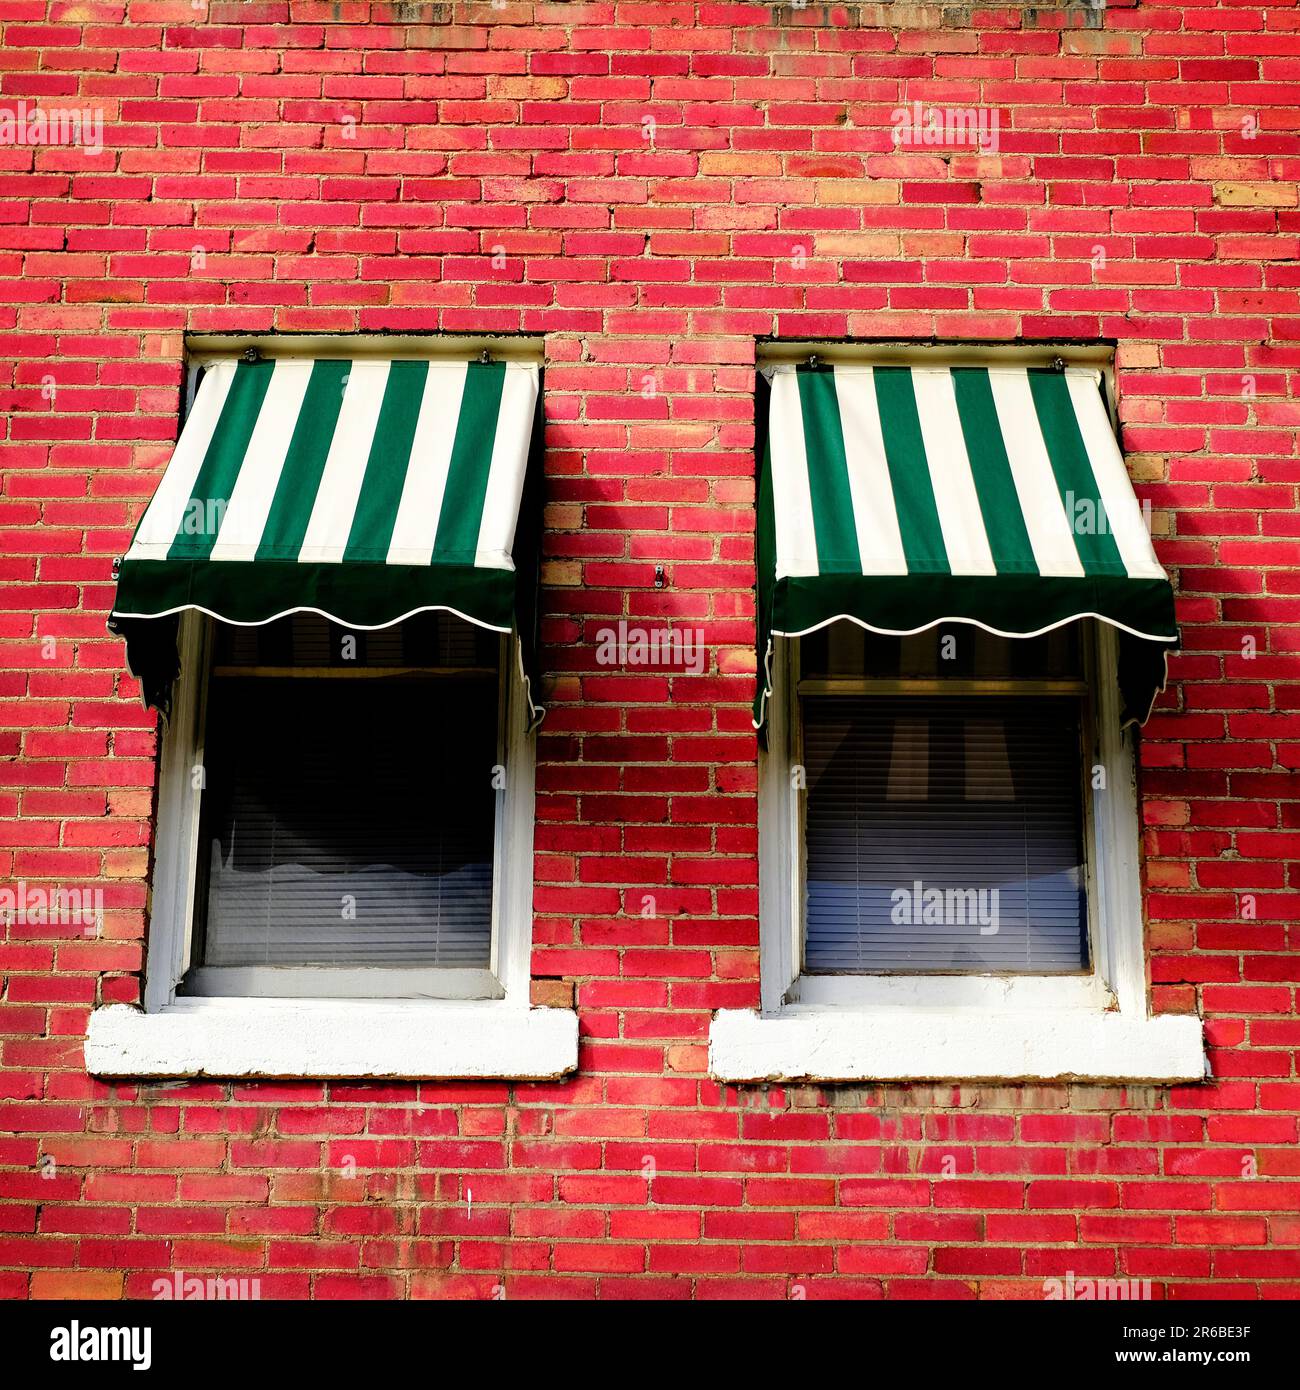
(966,797)
(350,822)
(307,639)
(952,650)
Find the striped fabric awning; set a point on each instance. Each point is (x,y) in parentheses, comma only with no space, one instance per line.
(364,490)
(899,498)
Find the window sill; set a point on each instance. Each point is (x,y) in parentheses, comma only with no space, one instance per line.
(333,1038)
(901,1043)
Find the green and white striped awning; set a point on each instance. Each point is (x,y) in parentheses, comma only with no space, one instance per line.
(900,498)
(365,491)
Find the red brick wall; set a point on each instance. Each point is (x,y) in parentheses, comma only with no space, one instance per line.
(349,167)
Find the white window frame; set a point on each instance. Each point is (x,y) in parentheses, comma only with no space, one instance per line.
(970,1027)
(175,910)
(301,981)
(372,1032)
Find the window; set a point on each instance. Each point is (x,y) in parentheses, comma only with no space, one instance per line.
(960,614)
(950,816)
(343,874)
(348,820)
(944,816)
(332,597)
(948,867)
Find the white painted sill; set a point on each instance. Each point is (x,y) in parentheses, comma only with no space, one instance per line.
(344,1038)
(902,1043)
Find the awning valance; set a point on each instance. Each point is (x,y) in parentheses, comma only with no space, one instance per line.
(365,491)
(900,498)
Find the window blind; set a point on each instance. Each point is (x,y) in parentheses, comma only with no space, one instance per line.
(943,834)
(307,639)
(349,822)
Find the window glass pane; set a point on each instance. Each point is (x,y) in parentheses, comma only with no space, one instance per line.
(957,651)
(944,834)
(349,821)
